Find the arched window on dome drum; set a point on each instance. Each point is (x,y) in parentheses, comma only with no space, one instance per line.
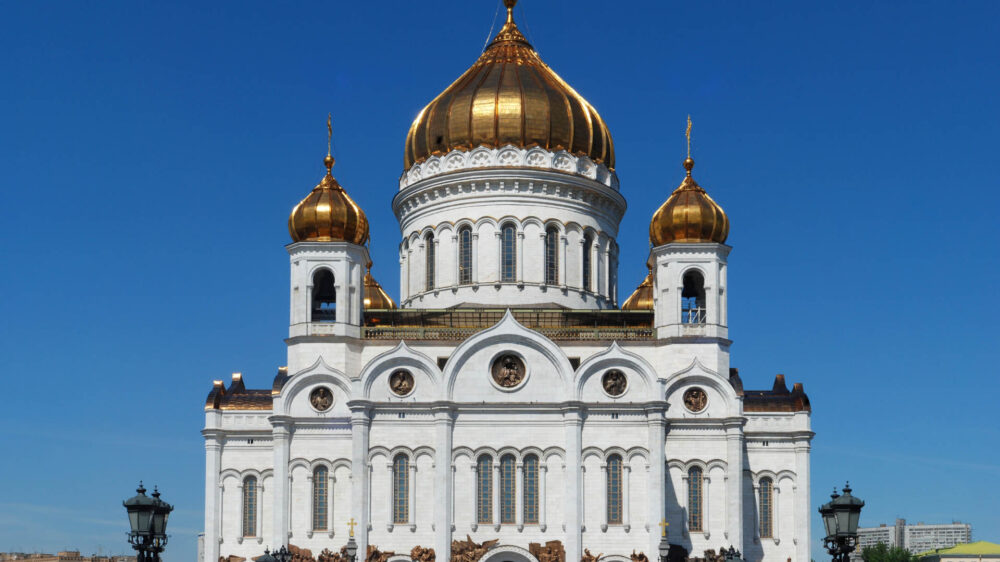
(250,506)
(321,498)
(693,309)
(551,256)
(464,255)
(508,489)
(588,250)
(695,500)
(766,508)
(614,490)
(324,297)
(508,253)
(400,489)
(484,489)
(429,262)
(530,500)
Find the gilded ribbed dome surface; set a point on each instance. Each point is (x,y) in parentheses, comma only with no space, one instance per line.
(375,296)
(328,214)
(642,297)
(509,96)
(689,215)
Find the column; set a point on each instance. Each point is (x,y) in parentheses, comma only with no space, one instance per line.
(360,428)
(390,496)
(734,484)
(213,502)
(583,499)
(259,520)
(444,482)
(330,494)
(775,514)
(543,470)
(626,497)
(411,490)
(497,495)
(800,497)
(475,257)
(282,435)
(706,509)
(604,503)
(573,425)
(519,274)
(656,425)
(457,264)
(563,253)
(519,496)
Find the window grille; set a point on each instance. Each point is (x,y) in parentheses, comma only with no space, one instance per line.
(320,498)
(464,255)
(508,489)
(484,489)
(530,490)
(614,491)
(400,489)
(766,508)
(429,262)
(250,506)
(588,248)
(552,256)
(695,518)
(508,253)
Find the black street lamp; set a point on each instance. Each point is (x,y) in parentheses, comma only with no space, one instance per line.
(148,519)
(282,555)
(352,549)
(267,557)
(840,517)
(732,554)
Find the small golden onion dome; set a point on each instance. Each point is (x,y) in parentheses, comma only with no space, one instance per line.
(642,297)
(328,214)
(509,96)
(689,215)
(375,296)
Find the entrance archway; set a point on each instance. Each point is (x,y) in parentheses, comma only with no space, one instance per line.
(508,553)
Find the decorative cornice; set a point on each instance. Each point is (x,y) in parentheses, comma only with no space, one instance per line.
(509,156)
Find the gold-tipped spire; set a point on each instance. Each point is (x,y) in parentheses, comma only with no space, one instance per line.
(328,161)
(688,162)
(510,9)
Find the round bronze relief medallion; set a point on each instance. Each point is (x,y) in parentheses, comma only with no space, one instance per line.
(508,370)
(614,382)
(321,398)
(695,399)
(401,382)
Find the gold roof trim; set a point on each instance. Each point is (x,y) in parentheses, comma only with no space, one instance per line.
(509,96)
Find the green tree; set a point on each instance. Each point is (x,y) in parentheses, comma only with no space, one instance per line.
(882,553)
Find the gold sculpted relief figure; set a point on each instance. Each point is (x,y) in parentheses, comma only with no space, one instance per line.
(695,399)
(614,382)
(421,554)
(553,551)
(508,370)
(321,398)
(470,551)
(640,557)
(588,557)
(375,555)
(401,382)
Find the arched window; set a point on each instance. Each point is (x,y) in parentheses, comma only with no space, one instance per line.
(614,490)
(588,258)
(250,506)
(321,497)
(400,489)
(508,489)
(552,255)
(429,261)
(484,489)
(530,500)
(693,299)
(508,253)
(464,255)
(324,297)
(766,508)
(695,500)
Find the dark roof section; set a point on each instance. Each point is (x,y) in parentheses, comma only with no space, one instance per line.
(279,381)
(237,396)
(778,399)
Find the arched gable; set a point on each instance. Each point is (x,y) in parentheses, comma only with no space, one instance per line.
(722,398)
(642,386)
(293,396)
(374,379)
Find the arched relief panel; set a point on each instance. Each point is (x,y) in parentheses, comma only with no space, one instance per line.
(377,376)
(641,383)
(294,399)
(546,377)
(720,399)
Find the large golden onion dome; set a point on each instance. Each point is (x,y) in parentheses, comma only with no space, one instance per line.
(689,215)
(509,96)
(642,297)
(328,214)
(375,296)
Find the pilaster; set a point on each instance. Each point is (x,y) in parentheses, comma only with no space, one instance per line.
(213,504)
(656,425)
(361,424)
(281,431)
(573,425)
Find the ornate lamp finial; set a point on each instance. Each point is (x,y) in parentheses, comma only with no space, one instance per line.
(329,144)
(688,162)
(510,9)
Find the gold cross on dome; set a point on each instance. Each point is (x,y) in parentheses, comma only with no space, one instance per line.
(351,525)
(663,527)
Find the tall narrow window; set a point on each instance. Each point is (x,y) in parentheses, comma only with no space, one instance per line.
(693,299)
(766,508)
(508,253)
(324,297)
(464,255)
(508,489)
(530,500)
(552,256)
(321,497)
(695,500)
(484,489)
(588,249)
(250,506)
(429,262)
(400,489)
(614,490)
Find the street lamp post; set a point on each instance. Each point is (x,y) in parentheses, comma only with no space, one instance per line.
(840,517)
(282,555)
(147,517)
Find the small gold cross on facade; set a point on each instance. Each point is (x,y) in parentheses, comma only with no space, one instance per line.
(663,527)
(351,525)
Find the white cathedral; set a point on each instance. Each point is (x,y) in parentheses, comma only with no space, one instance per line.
(508,398)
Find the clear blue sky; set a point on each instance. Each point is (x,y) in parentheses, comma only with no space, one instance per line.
(150,154)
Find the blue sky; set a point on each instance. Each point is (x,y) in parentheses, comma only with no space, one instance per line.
(150,154)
